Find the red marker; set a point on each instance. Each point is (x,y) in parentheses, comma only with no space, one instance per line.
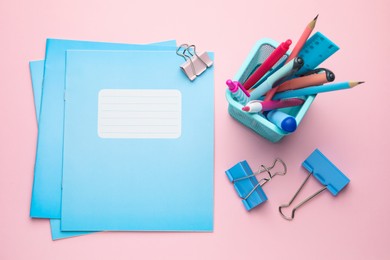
(275,56)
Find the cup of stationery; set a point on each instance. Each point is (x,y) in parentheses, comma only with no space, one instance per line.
(258,121)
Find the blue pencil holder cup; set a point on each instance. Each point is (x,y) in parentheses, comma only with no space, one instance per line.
(257,122)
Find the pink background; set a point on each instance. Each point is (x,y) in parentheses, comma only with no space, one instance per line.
(350,127)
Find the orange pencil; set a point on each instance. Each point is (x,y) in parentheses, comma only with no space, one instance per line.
(301,82)
(306,33)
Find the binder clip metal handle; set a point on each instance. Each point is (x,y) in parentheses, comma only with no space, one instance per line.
(325,172)
(301,203)
(194,64)
(248,188)
(263,181)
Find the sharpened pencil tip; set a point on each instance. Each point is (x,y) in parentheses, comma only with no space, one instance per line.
(355,83)
(312,24)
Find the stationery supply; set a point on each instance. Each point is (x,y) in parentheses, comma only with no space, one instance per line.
(194,64)
(309,79)
(272,59)
(294,76)
(136,152)
(238,91)
(325,172)
(302,40)
(257,121)
(316,50)
(134,114)
(247,186)
(317,89)
(256,106)
(282,120)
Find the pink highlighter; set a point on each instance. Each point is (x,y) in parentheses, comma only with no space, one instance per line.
(256,106)
(275,56)
(238,91)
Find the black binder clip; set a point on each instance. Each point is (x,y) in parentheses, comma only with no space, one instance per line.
(246,184)
(325,172)
(194,64)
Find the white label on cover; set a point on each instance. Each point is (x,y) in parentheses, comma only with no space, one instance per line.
(139,113)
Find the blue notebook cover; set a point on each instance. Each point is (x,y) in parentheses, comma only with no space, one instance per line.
(46,192)
(36,71)
(138,143)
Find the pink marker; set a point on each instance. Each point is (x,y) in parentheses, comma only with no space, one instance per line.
(256,106)
(238,91)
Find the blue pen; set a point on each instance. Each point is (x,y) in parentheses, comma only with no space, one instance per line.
(317,89)
(282,120)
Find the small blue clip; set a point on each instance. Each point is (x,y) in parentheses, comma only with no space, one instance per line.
(325,172)
(247,186)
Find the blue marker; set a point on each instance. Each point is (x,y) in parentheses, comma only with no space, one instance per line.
(282,120)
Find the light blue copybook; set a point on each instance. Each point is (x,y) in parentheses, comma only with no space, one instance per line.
(138,143)
(36,71)
(46,192)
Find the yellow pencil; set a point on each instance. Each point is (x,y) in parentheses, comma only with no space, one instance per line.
(305,35)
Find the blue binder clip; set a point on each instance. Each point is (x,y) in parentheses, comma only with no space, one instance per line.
(248,188)
(325,172)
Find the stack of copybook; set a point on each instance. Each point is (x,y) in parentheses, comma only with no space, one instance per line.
(125,139)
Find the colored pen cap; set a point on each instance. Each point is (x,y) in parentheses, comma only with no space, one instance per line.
(235,85)
(292,67)
(298,63)
(286,45)
(325,172)
(282,120)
